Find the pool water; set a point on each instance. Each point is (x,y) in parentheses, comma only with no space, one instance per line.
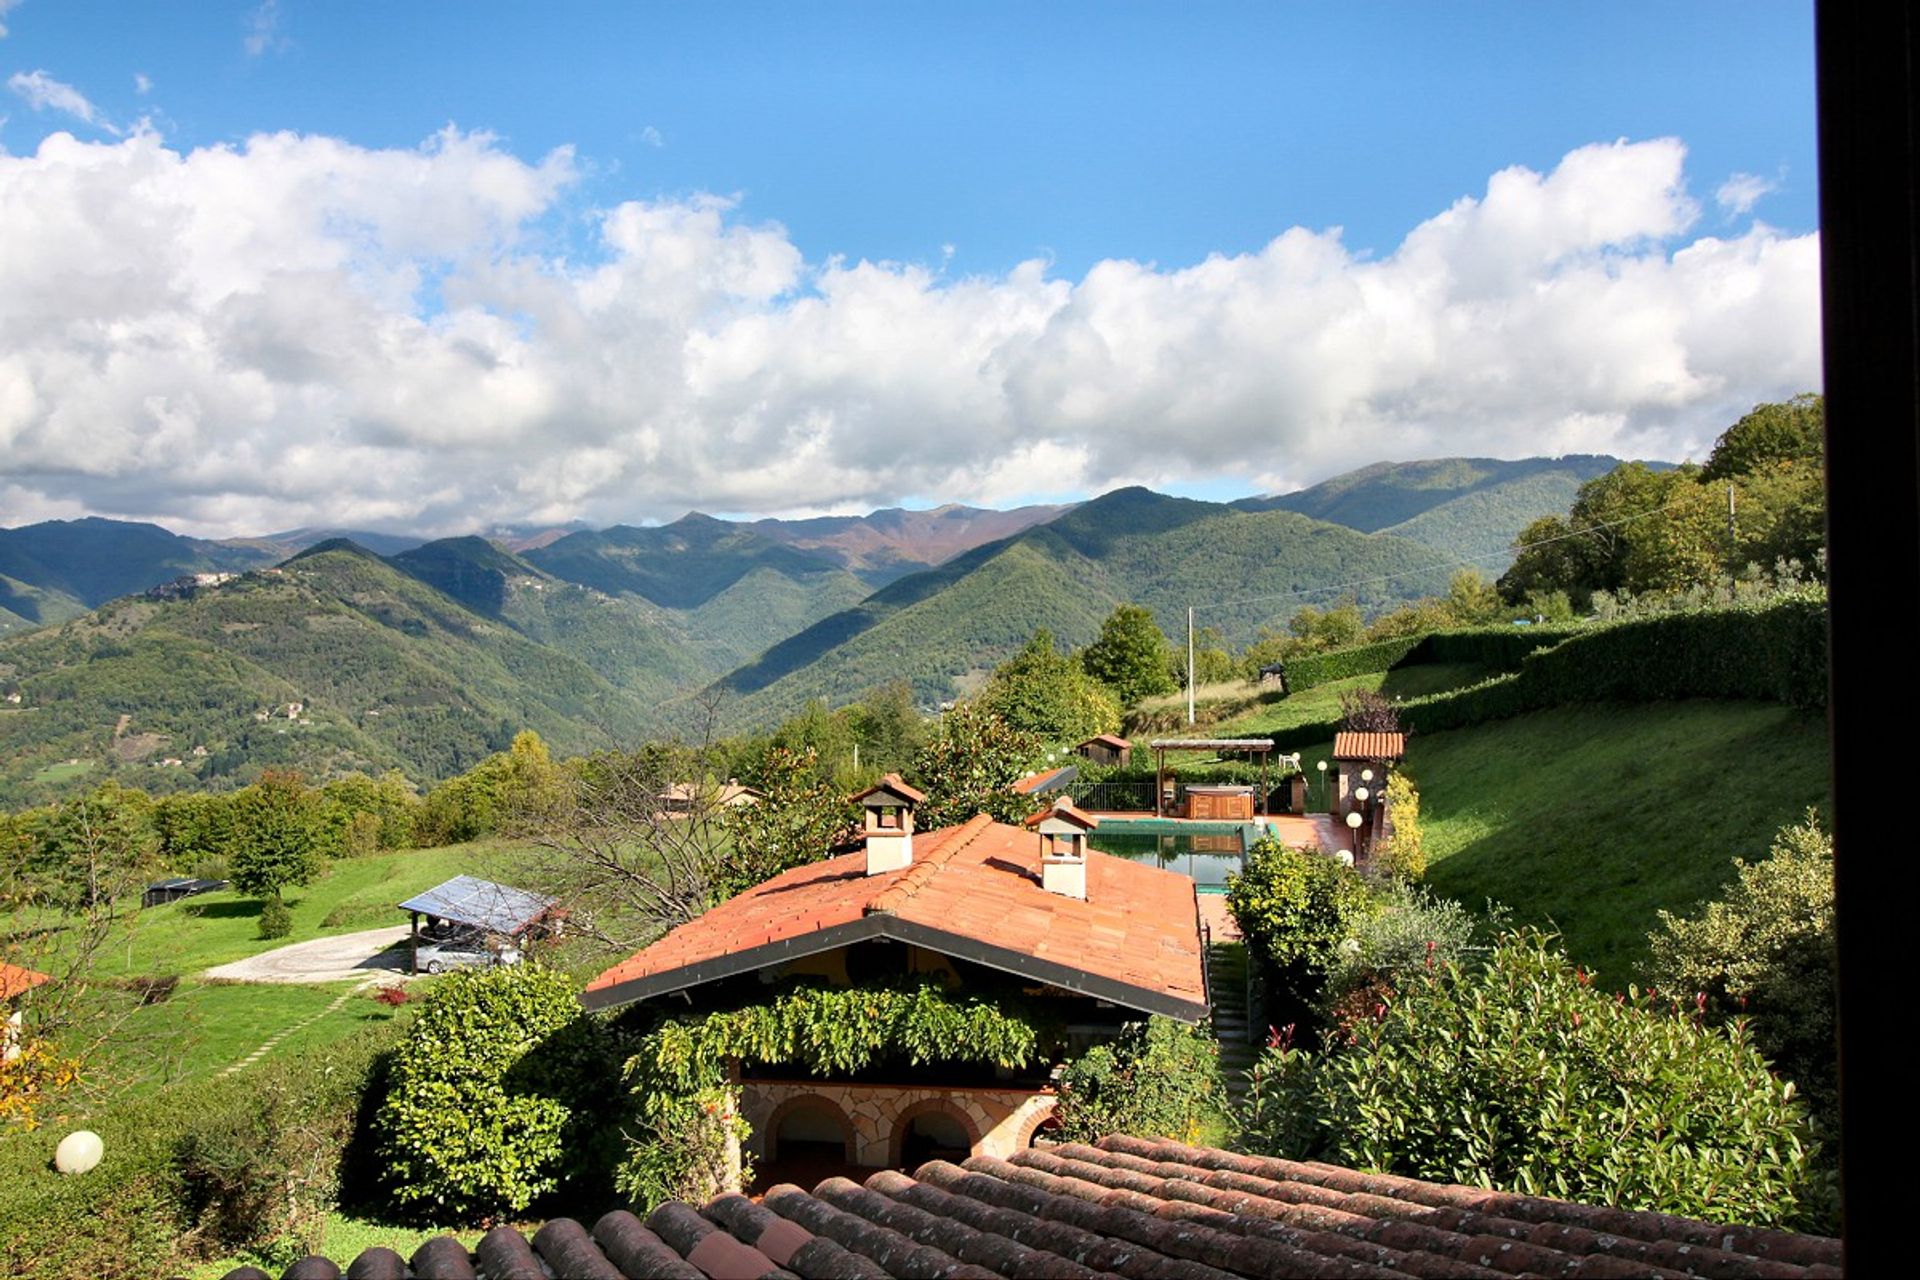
(1206,859)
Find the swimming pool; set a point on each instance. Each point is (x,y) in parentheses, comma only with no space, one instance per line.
(1205,852)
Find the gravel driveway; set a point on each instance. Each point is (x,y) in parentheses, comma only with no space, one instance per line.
(364,955)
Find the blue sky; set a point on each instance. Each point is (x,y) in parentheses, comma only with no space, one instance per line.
(956,141)
(1077,131)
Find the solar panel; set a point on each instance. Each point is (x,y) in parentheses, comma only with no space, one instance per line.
(482,904)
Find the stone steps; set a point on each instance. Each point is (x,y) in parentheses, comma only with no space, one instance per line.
(1227,979)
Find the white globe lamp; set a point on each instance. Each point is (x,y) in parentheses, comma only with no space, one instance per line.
(78,1152)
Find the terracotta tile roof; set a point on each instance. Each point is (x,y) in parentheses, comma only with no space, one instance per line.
(1369,746)
(971,890)
(895,784)
(14,980)
(1126,1206)
(1113,740)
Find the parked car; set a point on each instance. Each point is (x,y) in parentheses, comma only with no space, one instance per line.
(461,953)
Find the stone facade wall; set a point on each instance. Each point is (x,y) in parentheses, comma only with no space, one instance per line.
(998,1122)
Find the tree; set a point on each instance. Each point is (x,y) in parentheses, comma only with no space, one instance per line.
(1320,630)
(1791,432)
(1130,656)
(797,820)
(969,766)
(1765,950)
(888,728)
(627,865)
(278,829)
(1471,600)
(1043,692)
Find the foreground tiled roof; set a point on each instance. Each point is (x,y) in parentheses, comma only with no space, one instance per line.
(1129,1207)
(14,980)
(1369,746)
(971,890)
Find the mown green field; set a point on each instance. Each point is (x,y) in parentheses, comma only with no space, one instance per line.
(206,1026)
(1594,818)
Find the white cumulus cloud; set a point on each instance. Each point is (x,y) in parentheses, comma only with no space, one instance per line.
(298,330)
(5,5)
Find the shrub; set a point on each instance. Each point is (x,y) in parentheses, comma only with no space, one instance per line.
(1765,950)
(1161,1078)
(1520,1076)
(265,1170)
(276,921)
(1294,908)
(1410,931)
(1402,854)
(493,1086)
(1367,711)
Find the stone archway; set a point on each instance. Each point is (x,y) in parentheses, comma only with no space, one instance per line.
(809,1125)
(932,1129)
(1040,1122)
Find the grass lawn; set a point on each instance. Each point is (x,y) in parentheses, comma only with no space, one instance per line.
(63,771)
(1595,818)
(206,1026)
(343,1238)
(1322,702)
(355,893)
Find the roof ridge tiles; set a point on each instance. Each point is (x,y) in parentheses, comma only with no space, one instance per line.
(927,865)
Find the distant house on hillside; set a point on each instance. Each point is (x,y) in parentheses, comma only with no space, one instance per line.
(1106,748)
(685,797)
(982,908)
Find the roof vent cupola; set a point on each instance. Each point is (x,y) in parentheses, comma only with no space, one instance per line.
(1063,848)
(888,806)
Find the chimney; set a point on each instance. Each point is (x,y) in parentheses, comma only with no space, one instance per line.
(888,806)
(1063,848)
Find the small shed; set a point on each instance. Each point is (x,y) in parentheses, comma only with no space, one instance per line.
(480,905)
(162,891)
(1274,676)
(1106,748)
(1356,755)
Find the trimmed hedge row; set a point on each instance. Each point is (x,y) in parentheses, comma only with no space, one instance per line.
(1776,652)
(1502,648)
(1341,664)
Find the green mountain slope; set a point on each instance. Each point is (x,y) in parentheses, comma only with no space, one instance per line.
(646,651)
(95,560)
(1464,507)
(680,565)
(24,606)
(388,672)
(939,627)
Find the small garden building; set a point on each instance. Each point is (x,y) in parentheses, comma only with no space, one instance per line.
(1019,917)
(1106,748)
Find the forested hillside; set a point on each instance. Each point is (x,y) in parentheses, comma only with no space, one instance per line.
(58,569)
(1467,507)
(936,629)
(385,671)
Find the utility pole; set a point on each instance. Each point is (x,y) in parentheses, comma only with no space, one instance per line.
(1732,537)
(1189,666)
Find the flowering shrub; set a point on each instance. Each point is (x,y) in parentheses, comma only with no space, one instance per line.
(1519,1075)
(1162,1079)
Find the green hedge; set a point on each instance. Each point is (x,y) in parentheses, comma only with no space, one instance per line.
(1773,652)
(1341,664)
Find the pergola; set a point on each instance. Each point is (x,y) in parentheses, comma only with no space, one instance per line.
(1261,747)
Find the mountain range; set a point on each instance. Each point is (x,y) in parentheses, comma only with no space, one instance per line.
(427,654)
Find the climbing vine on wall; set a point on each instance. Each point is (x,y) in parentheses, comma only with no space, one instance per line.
(679,1073)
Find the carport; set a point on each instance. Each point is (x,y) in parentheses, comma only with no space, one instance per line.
(478,904)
